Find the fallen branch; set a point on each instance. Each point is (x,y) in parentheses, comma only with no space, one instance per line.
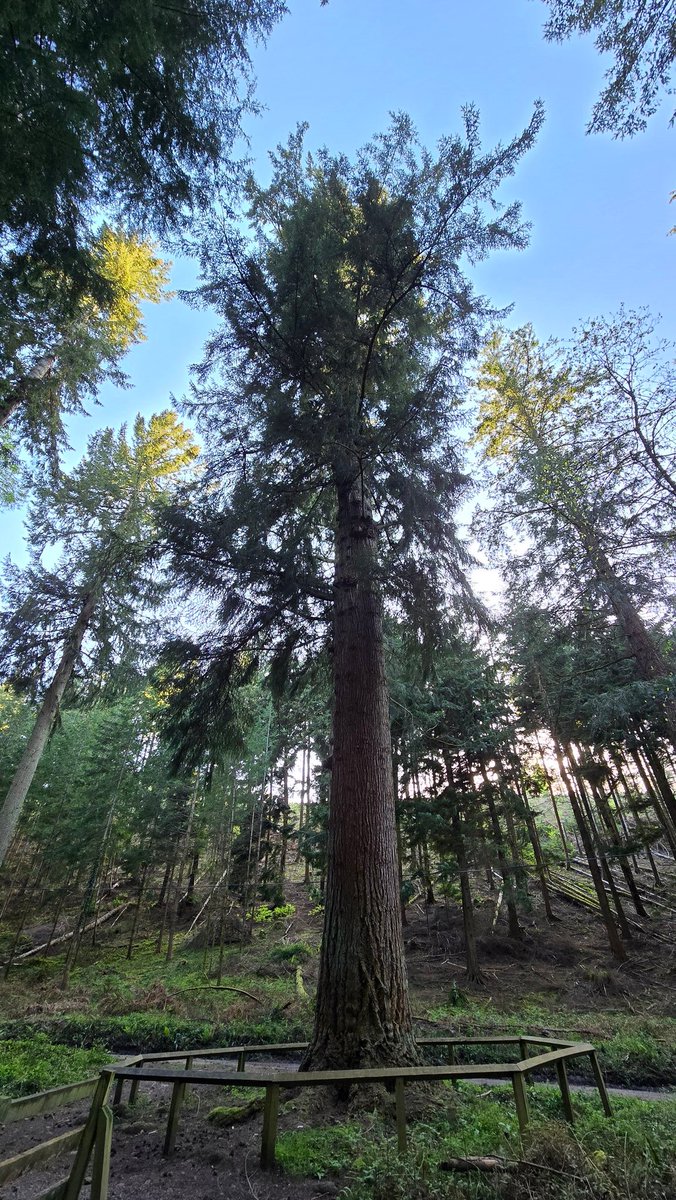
(217,987)
(490,1162)
(206,902)
(65,937)
(493,1162)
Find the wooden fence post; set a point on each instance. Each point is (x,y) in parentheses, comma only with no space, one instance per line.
(451,1060)
(270,1114)
(177,1094)
(77,1174)
(101,1165)
(600,1083)
(521,1100)
(566,1098)
(401,1115)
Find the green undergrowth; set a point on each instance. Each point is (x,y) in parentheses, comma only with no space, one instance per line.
(150,1032)
(36,1064)
(628,1156)
(634,1050)
(110,983)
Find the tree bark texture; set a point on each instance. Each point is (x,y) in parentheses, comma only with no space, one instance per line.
(21,391)
(23,776)
(363,1014)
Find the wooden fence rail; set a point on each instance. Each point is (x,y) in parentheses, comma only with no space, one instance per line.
(97,1133)
(94,1137)
(38,1104)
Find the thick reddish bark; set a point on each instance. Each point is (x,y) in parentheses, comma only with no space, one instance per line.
(363,1015)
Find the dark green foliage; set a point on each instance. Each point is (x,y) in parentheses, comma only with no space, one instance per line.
(116,104)
(152,1032)
(599,1159)
(344,333)
(641,35)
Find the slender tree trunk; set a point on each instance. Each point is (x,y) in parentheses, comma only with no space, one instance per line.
(460,849)
(620,853)
(137,911)
(506,869)
(540,864)
(554,804)
(301,815)
(653,795)
(660,776)
(285,827)
(363,1015)
(23,776)
(162,898)
(182,859)
(637,818)
(600,847)
(400,842)
(649,659)
(614,939)
(190,890)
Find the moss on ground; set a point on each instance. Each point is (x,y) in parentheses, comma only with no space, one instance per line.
(36,1064)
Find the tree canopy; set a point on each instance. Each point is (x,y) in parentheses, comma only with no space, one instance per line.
(641,36)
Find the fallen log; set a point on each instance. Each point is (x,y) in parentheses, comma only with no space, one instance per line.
(65,937)
(488,1162)
(217,987)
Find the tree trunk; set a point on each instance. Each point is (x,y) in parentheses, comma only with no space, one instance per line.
(137,911)
(23,776)
(650,662)
(363,1015)
(460,850)
(21,391)
(652,794)
(506,868)
(614,939)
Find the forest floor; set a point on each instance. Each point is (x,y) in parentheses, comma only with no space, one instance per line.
(558,980)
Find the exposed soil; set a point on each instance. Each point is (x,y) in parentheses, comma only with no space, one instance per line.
(209,1162)
(565,965)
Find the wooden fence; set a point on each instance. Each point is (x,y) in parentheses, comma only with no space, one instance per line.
(39,1104)
(97,1133)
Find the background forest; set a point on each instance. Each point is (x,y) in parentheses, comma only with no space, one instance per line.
(380,589)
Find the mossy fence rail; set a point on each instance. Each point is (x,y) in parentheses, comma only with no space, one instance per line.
(96,1134)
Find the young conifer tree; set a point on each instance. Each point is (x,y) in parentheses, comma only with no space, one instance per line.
(105,517)
(327,400)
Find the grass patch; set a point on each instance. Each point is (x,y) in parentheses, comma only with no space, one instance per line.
(34,1065)
(599,1159)
(634,1051)
(315,1153)
(292,953)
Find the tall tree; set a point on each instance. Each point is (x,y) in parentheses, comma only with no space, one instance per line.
(576,495)
(105,516)
(327,402)
(54,356)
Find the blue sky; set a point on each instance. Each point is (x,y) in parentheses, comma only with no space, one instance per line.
(599,208)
